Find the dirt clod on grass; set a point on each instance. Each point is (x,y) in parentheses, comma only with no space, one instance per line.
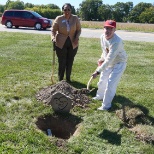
(78,96)
(131,116)
(137,122)
(144,133)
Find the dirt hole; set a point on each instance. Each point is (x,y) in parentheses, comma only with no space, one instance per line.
(61,126)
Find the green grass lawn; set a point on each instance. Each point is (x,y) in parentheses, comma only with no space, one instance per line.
(25,68)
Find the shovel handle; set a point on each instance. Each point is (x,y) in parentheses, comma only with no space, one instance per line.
(89,82)
(53,64)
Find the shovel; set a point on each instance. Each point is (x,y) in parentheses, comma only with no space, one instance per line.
(88,84)
(53,63)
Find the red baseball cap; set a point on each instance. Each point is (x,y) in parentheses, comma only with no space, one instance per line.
(110,23)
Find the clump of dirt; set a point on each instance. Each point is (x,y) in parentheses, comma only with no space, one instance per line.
(137,122)
(144,133)
(78,96)
(131,116)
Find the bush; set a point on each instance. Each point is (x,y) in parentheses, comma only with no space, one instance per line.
(46,12)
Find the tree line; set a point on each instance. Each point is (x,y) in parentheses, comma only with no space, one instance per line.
(92,10)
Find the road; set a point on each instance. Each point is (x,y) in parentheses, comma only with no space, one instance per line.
(91,33)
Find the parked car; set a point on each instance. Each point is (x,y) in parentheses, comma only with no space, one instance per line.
(24,18)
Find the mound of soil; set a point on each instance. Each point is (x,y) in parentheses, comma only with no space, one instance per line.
(131,116)
(138,123)
(78,96)
(144,133)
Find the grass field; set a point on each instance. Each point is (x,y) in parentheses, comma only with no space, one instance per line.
(139,27)
(25,64)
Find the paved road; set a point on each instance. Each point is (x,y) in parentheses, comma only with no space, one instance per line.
(91,33)
(125,35)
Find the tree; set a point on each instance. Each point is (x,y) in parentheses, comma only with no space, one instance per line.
(147,16)
(29,5)
(7,3)
(137,10)
(121,11)
(105,12)
(52,6)
(1,8)
(48,11)
(15,5)
(89,9)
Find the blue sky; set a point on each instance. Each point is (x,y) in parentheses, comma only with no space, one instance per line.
(76,3)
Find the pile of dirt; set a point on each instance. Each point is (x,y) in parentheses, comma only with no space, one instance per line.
(144,133)
(78,96)
(137,122)
(131,116)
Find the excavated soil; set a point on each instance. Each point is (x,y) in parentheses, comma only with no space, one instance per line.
(138,123)
(61,125)
(78,96)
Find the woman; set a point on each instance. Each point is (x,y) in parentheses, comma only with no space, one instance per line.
(65,32)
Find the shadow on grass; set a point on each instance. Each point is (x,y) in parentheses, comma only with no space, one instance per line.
(120,101)
(112,137)
(130,115)
(125,102)
(78,85)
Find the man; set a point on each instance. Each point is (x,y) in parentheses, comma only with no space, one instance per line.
(111,65)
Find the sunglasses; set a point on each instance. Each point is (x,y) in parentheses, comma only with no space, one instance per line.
(67,10)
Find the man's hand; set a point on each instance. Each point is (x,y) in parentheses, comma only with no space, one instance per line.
(95,74)
(100,62)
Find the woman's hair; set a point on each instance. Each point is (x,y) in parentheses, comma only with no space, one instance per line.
(68,5)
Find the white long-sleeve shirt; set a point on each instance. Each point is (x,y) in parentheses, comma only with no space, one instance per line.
(113,52)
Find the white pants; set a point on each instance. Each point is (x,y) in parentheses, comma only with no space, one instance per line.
(108,83)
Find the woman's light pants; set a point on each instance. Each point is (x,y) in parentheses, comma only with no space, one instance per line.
(108,83)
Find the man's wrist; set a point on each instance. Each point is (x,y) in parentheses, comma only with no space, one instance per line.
(97,72)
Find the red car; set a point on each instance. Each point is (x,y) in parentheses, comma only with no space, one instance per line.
(25,18)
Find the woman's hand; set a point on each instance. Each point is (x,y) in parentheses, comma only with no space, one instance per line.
(76,40)
(53,40)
